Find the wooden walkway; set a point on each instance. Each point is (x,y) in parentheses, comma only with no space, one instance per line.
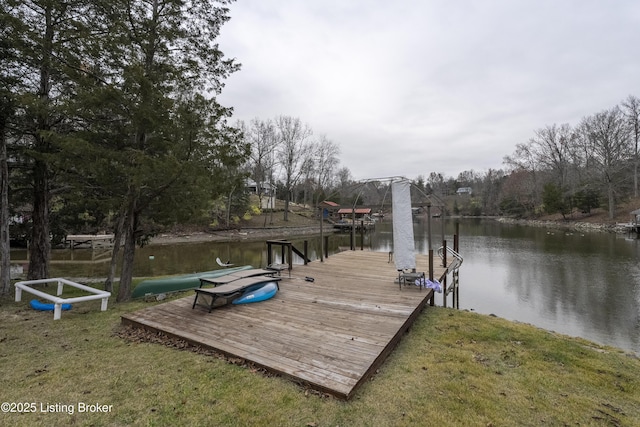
(330,334)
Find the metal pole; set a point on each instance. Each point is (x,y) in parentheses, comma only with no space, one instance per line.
(429,227)
(321,235)
(353,229)
(456,247)
(442,218)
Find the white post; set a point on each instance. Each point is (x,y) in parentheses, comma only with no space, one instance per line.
(60,286)
(57,311)
(18,294)
(103,306)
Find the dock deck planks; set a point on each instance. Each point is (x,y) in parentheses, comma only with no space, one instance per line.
(331,333)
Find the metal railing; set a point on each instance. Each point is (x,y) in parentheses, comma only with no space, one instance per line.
(457,258)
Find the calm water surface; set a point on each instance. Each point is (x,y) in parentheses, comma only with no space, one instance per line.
(579,284)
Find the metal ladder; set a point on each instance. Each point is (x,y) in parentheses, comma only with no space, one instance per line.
(457,259)
(454,269)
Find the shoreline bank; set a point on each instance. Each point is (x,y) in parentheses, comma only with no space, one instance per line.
(245,234)
(255,234)
(568,225)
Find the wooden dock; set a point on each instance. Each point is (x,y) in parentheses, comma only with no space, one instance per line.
(93,240)
(330,334)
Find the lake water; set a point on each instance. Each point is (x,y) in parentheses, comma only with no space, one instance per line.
(579,284)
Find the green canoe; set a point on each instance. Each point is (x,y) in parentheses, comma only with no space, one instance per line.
(179,283)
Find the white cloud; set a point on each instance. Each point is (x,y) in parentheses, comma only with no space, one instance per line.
(409,88)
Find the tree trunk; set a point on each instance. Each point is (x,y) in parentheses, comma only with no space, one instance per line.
(40,245)
(612,202)
(126,274)
(117,242)
(286,204)
(635,175)
(229,208)
(5,253)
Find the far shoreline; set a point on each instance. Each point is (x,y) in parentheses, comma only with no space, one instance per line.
(280,232)
(236,235)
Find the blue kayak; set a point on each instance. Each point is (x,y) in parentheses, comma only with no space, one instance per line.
(37,305)
(260,292)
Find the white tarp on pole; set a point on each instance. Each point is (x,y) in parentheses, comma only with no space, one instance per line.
(403,243)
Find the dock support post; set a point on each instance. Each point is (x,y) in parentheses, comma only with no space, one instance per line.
(456,279)
(444,280)
(326,246)
(431,269)
(351,243)
(430,245)
(305,249)
(353,229)
(322,241)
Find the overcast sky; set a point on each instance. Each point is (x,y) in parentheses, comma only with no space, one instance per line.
(410,87)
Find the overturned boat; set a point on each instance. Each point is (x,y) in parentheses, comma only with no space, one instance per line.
(185,282)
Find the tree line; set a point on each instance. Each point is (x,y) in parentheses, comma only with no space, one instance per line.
(287,158)
(582,166)
(560,169)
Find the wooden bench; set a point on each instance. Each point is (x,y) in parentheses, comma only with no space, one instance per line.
(236,275)
(230,289)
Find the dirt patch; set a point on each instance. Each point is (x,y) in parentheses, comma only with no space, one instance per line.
(598,215)
(235,235)
(260,227)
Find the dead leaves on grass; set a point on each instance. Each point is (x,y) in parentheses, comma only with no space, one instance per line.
(607,417)
(139,335)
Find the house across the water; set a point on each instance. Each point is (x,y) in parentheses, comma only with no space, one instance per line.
(464,191)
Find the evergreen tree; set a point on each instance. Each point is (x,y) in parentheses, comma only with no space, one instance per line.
(7,108)
(553,200)
(45,43)
(154,125)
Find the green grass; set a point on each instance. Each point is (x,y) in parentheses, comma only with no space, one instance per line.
(453,368)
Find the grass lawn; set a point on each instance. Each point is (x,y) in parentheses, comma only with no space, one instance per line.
(454,368)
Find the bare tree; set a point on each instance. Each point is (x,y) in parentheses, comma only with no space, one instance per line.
(293,138)
(524,160)
(552,147)
(344,182)
(261,135)
(605,140)
(631,109)
(436,183)
(491,184)
(344,177)
(468,178)
(325,154)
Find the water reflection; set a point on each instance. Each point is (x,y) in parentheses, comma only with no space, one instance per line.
(578,284)
(581,284)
